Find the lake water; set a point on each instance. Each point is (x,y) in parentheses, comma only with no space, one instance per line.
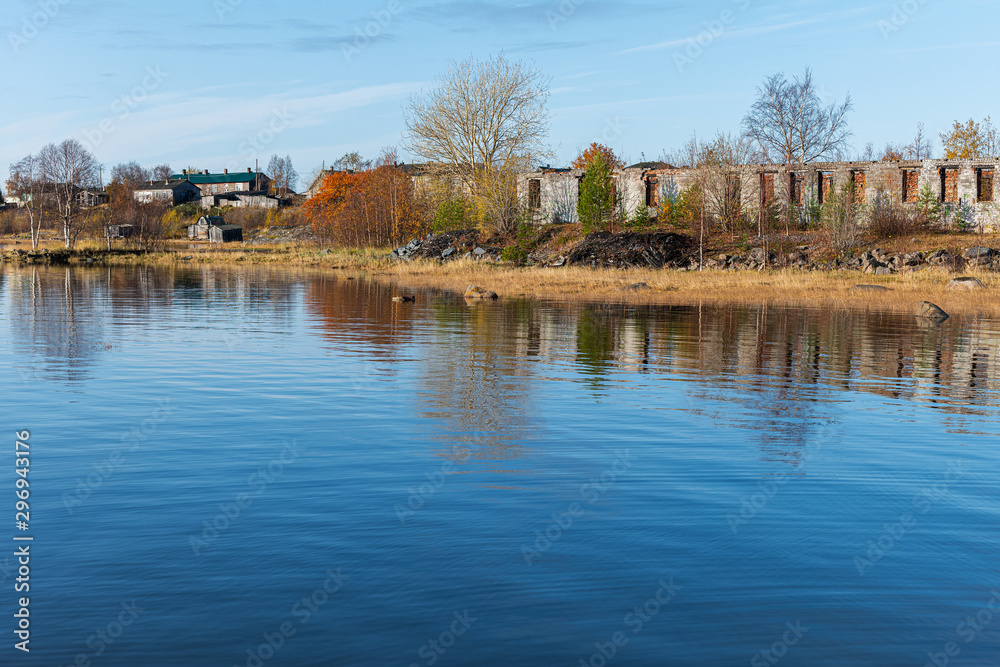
(257,466)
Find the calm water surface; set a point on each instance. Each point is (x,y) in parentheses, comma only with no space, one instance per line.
(248,467)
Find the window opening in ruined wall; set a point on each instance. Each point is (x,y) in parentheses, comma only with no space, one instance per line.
(858,180)
(911,179)
(766,190)
(949,185)
(652,192)
(825,185)
(984,184)
(535,193)
(796,189)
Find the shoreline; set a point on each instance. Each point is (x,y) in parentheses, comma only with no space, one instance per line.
(790,287)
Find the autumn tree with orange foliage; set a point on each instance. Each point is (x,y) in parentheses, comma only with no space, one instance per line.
(373,208)
(971,140)
(584,159)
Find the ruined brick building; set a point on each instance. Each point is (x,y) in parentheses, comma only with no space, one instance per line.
(967,187)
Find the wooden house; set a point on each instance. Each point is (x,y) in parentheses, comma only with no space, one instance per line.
(174,192)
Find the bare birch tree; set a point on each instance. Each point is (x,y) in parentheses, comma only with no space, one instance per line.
(480,114)
(283,175)
(920,148)
(789,120)
(480,124)
(130,174)
(66,168)
(162,172)
(26,184)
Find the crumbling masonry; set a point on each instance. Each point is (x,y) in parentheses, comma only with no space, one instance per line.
(966,189)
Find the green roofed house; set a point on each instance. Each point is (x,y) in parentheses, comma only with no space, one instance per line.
(226,182)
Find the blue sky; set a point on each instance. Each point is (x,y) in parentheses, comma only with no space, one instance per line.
(219,84)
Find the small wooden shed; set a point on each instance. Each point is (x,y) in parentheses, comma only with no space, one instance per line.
(199,230)
(225,234)
(121,231)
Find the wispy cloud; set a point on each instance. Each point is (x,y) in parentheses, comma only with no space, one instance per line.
(735,33)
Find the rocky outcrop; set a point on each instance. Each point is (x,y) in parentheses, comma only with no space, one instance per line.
(463,243)
(633,249)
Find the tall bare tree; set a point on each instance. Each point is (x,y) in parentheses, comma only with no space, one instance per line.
(130,174)
(26,183)
(481,123)
(283,175)
(725,171)
(66,168)
(920,148)
(788,120)
(162,172)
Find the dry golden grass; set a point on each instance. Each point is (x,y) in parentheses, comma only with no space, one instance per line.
(827,289)
(792,288)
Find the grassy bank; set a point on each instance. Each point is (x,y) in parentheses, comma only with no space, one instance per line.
(828,289)
(789,287)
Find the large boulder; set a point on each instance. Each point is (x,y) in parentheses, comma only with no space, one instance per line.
(966,283)
(979,252)
(476,292)
(928,310)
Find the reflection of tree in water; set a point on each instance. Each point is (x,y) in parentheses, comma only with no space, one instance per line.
(67,315)
(475,377)
(359,314)
(56,327)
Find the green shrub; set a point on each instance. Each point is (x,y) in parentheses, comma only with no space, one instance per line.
(451,214)
(598,202)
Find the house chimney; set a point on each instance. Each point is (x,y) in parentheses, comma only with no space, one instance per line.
(185,172)
(206,172)
(249,170)
(225,171)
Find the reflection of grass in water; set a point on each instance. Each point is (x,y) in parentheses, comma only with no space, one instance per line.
(825,289)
